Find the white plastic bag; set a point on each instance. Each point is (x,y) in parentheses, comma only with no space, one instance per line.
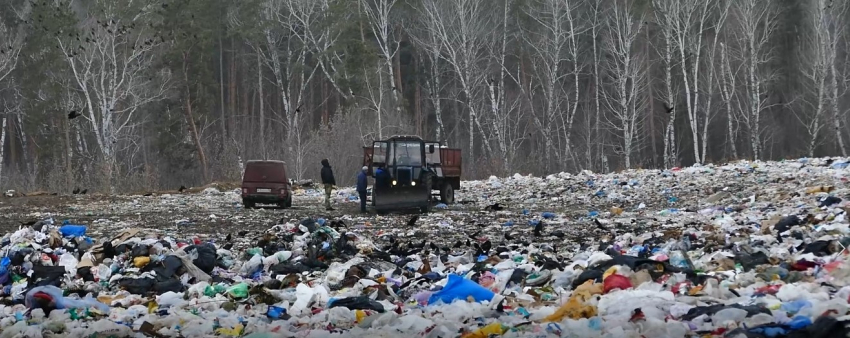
(69,262)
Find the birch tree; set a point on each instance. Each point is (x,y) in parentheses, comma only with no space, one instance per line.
(11,42)
(596,26)
(552,41)
(112,64)
(685,22)
(833,25)
(757,21)
(461,27)
(378,13)
(425,37)
(727,93)
(819,55)
(664,17)
(285,52)
(625,72)
(708,112)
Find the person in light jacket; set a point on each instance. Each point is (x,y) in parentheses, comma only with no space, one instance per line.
(329,181)
(362,185)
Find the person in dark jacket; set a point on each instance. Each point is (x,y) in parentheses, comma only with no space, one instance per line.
(362,184)
(329,182)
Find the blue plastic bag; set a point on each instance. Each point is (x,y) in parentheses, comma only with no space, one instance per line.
(4,265)
(458,288)
(275,312)
(62,302)
(71,230)
(795,306)
(548,215)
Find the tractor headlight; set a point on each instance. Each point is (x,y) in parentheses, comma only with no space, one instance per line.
(413,183)
(395,182)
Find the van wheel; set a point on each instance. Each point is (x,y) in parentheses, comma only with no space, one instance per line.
(248,204)
(447,194)
(288,203)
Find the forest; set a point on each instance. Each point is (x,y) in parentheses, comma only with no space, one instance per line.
(126,95)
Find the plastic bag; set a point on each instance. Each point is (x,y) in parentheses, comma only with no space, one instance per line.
(69,262)
(193,270)
(484,332)
(72,230)
(574,308)
(252,265)
(61,302)
(358,303)
(616,281)
(238,291)
(212,290)
(459,288)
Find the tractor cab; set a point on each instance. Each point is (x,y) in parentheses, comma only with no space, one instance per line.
(403,177)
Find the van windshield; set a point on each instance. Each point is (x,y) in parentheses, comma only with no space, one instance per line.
(265,172)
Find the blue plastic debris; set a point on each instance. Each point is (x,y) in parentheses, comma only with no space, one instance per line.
(593,213)
(548,215)
(508,224)
(275,312)
(441,206)
(69,230)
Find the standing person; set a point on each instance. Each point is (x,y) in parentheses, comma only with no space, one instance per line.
(329,182)
(362,184)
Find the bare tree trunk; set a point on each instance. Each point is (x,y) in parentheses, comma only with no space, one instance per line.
(262,111)
(2,145)
(190,120)
(727,89)
(221,90)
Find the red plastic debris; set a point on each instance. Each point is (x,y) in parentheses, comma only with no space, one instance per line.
(616,281)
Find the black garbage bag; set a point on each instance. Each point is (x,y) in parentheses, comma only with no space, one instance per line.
(206,257)
(518,276)
(169,267)
(631,261)
(829,201)
(823,327)
(172,285)
(47,275)
(310,224)
(85,274)
(358,303)
(108,250)
(137,286)
(819,248)
(786,223)
(17,258)
(140,250)
(739,332)
(752,310)
(750,261)
(586,275)
(286,268)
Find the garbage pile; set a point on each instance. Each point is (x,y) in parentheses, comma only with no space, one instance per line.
(749,249)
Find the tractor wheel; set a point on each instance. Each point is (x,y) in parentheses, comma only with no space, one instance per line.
(447,193)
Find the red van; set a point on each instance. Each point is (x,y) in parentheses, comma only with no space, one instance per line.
(265,182)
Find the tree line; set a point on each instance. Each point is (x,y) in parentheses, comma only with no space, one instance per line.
(129,95)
